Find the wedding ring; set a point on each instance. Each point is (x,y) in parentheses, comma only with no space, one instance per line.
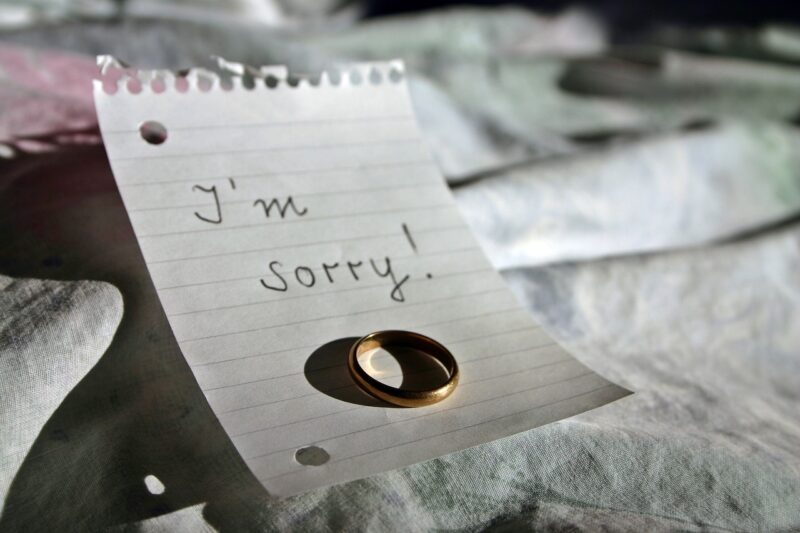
(394,395)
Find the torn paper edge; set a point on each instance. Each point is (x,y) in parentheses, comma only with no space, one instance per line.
(223,75)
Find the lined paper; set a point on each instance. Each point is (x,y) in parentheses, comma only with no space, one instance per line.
(277,220)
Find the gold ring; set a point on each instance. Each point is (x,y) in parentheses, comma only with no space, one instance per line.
(394,395)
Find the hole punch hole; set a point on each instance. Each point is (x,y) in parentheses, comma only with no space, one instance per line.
(158,86)
(226,84)
(355,77)
(204,84)
(335,77)
(181,84)
(271,81)
(375,77)
(311,456)
(293,81)
(154,485)
(153,132)
(110,86)
(248,82)
(134,86)
(395,76)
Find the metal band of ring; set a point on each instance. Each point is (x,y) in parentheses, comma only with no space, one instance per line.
(394,395)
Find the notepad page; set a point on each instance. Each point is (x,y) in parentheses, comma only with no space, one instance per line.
(280,216)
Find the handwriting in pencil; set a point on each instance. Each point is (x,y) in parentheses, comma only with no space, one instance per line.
(212,190)
(334,272)
(282,207)
(304,276)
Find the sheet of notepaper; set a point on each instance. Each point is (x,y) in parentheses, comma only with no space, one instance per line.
(280,216)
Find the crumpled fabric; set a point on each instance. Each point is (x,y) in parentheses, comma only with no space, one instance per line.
(690,188)
(51,334)
(45,95)
(643,204)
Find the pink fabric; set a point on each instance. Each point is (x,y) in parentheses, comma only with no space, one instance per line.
(46,99)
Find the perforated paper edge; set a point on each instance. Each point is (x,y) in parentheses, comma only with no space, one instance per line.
(115,76)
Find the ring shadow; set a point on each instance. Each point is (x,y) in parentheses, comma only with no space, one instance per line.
(326,370)
(140,411)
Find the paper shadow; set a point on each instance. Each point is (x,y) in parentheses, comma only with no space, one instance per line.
(326,370)
(139,411)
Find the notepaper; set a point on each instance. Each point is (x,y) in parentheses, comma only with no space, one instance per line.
(278,216)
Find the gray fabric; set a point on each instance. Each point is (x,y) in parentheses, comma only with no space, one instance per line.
(51,334)
(665,191)
(648,222)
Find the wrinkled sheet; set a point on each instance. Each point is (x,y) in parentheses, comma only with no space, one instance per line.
(643,203)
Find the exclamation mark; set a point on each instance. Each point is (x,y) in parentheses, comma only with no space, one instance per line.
(410,238)
(411,242)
